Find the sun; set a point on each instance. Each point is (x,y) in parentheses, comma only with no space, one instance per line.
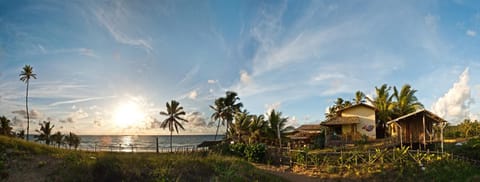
(128,114)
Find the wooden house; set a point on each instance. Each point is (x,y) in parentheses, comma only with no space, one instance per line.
(415,128)
(304,136)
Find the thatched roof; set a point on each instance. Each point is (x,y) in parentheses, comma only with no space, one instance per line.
(209,143)
(341,121)
(427,113)
(310,127)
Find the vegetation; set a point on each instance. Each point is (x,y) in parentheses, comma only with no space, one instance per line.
(225,109)
(52,164)
(5,128)
(45,132)
(72,140)
(174,116)
(25,75)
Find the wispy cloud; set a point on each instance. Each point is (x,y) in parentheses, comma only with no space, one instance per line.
(471,33)
(80,100)
(110,20)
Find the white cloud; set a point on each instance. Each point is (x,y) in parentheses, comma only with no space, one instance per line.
(80,100)
(471,33)
(193,95)
(273,106)
(33,114)
(455,104)
(212,81)
(244,77)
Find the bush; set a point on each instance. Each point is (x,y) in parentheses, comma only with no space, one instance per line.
(255,152)
(238,149)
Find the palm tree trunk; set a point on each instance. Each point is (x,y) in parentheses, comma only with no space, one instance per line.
(171,148)
(28,116)
(216,133)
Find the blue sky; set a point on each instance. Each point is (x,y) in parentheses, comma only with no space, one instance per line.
(96,60)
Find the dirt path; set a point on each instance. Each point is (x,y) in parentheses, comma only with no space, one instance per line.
(286,174)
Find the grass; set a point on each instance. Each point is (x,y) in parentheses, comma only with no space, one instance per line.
(24,161)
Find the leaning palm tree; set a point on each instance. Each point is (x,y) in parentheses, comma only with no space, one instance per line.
(218,114)
(231,107)
(174,113)
(25,75)
(5,128)
(45,132)
(405,101)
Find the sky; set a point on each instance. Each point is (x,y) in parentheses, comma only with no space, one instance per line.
(109,67)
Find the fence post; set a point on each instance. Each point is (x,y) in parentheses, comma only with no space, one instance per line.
(157,144)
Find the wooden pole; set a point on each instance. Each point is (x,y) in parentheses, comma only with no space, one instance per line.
(424,137)
(157,144)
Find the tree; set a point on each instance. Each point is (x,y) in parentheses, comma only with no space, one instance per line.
(405,101)
(58,138)
(5,128)
(72,140)
(25,76)
(174,116)
(359,97)
(338,105)
(231,107)
(383,102)
(256,128)
(218,114)
(20,134)
(277,127)
(240,127)
(45,132)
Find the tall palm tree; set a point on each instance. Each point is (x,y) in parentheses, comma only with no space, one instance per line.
(5,128)
(359,97)
(277,126)
(383,102)
(45,132)
(231,107)
(256,128)
(405,101)
(174,116)
(240,128)
(25,76)
(218,114)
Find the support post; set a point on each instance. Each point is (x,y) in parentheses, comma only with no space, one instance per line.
(157,143)
(424,133)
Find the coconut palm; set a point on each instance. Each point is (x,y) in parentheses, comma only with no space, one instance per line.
(72,140)
(218,114)
(45,132)
(405,101)
(5,128)
(277,126)
(25,76)
(58,138)
(240,128)
(174,116)
(256,128)
(20,134)
(231,107)
(383,102)
(359,97)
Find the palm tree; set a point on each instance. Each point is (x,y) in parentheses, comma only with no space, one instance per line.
(174,113)
(58,138)
(20,134)
(406,101)
(240,127)
(277,126)
(25,75)
(359,97)
(218,114)
(256,128)
(231,107)
(383,102)
(72,140)
(45,132)
(5,128)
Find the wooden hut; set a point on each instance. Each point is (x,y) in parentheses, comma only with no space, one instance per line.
(415,128)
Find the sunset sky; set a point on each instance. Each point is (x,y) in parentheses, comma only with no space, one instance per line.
(109,67)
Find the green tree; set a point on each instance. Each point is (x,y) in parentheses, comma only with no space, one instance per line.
(277,127)
(218,114)
(405,101)
(383,102)
(5,128)
(72,140)
(240,128)
(174,116)
(256,128)
(25,75)
(20,134)
(231,107)
(45,132)
(359,97)
(58,138)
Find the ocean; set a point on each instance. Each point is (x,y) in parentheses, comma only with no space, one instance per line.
(141,143)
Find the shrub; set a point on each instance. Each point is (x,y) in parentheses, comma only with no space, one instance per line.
(238,149)
(255,152)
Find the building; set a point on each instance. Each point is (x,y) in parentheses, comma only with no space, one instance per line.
(351,124)
(415,129)
(305,135)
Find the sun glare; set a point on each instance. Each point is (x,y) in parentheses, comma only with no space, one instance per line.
(128,114)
